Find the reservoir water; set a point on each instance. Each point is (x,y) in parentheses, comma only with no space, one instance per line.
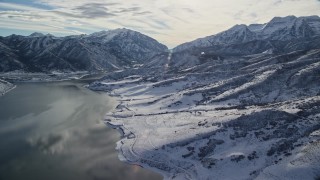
(55,131)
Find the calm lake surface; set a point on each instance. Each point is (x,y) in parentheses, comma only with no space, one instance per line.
(55,131)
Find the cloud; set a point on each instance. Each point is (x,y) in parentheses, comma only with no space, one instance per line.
(142,13)
(188,10)
(170,22)
(94,10)
(162,24)
(11,6)
(131,9)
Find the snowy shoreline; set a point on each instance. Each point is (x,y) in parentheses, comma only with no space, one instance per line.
(42,77)
(7,80)
(166,129)
(5,87)
(126,134)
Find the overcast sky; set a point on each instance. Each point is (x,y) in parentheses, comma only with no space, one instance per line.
(171,22)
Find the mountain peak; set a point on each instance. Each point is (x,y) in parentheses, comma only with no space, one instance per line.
(122,30)
(99,33)
(283,19)
(50,35)
(36,34)
(111,31)
(279,23)
(239,27)
(289,27)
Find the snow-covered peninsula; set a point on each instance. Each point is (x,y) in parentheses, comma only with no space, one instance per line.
(5,87)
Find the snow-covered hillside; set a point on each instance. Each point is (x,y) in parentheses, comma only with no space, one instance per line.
(204,114)
(256,118)
(106,50)
(279,28)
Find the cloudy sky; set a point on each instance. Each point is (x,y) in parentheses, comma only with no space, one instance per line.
(169,21)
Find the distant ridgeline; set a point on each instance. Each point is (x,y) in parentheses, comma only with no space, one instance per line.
(279,36)
(126,49)
(106,50)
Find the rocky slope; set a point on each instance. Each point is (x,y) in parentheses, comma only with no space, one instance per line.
(237,108)
(105,50)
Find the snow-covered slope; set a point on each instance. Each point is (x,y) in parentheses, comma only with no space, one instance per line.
(9,59)
(252,118)
(233,108)
(279,28)
(105,50)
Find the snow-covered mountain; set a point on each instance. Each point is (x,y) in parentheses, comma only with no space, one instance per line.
(105,50)
(278,29)
(280,35)
(243,104)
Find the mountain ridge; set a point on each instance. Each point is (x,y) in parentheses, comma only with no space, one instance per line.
(122,48)
(105,50)
(273,30)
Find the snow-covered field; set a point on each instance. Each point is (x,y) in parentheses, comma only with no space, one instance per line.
(5,87)
(251,123)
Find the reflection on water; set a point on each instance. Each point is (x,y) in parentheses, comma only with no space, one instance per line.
(54,131)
